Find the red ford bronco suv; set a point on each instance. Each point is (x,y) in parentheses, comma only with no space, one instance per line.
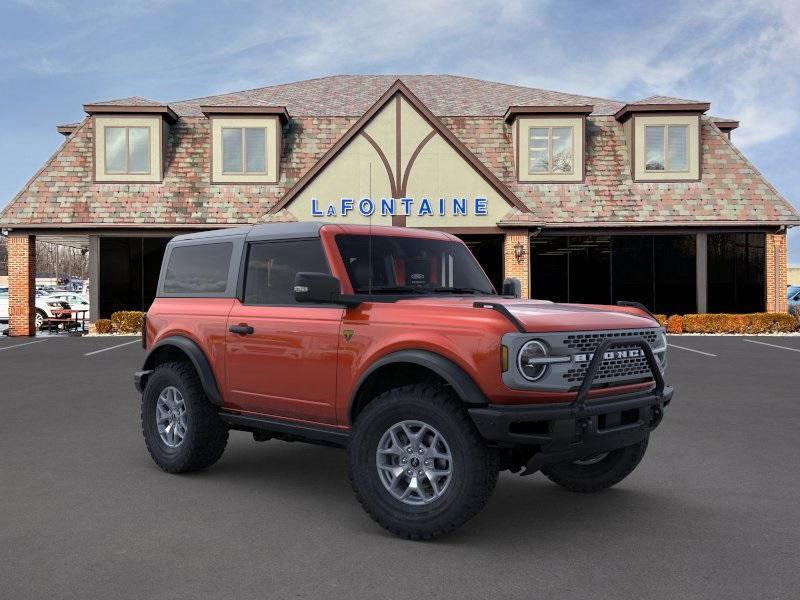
(391,342)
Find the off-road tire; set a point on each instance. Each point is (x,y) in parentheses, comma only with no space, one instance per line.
(474,467)
(206,435)
(586,479)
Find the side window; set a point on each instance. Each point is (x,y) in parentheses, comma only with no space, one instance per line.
(272,266)
(198,269)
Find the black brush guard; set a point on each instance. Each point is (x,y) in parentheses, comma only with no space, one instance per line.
(565,432)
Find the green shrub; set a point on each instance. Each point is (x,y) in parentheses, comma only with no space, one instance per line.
(103,326)
(127,321)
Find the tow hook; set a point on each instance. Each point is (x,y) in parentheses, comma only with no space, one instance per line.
(657,415)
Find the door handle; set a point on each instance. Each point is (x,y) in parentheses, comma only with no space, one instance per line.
(242,328)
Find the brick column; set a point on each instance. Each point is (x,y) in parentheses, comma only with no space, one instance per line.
(775,273)
(21,284)
(512,267)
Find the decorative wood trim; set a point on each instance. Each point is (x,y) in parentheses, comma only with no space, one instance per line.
(131,109)
(630,109)
(411,160)
(399,87)
(279,111)
(514,111)
(384,160)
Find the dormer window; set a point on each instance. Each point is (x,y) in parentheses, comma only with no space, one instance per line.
(127,150)
(244,150)
(129,140)
(548,142)
(666,148)
(245,143)
(550,150)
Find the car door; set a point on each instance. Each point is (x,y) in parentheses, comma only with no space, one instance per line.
(280,355)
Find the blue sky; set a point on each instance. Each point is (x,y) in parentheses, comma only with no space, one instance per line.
(56,55)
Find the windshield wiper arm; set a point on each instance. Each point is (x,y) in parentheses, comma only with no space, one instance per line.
(461,290)
(388,289)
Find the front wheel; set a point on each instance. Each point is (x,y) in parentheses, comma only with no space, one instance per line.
(595,473)
(181,428)
(417,464)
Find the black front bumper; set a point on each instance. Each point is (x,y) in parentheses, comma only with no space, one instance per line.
(553,433)
(564,432)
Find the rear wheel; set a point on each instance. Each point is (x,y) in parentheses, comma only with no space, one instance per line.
(181,428)
(417,464)
(598,472)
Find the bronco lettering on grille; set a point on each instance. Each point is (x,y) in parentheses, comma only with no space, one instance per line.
(612,354)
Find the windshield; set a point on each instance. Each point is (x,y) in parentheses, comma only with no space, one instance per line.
(407,265)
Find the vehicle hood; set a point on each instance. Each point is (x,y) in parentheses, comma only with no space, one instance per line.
(541,316)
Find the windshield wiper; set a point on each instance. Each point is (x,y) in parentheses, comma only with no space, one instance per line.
(461,290)
(392,289)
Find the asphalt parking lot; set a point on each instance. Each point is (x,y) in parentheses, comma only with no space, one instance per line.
(712,511)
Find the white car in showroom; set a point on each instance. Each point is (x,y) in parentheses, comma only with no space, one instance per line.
(47,307)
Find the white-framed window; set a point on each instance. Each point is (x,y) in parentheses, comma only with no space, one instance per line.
(127,150)
(666,148)
(244,150)
(550,150)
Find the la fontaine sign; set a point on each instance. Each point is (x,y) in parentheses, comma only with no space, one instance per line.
(408,207)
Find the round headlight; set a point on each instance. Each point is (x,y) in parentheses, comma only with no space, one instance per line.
(529,358)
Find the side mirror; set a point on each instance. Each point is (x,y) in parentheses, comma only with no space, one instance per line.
(511,287)
(318,288)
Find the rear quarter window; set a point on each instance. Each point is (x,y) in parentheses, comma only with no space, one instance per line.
(198,269)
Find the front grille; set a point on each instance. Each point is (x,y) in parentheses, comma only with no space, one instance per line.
(610,370)
(588,342)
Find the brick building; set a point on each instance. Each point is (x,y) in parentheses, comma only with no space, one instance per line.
(583,199)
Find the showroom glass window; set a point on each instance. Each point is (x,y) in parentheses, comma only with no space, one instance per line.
(736,264)
(244,150)
(666,148)
(272,267)
(127,150)
(656,270)
(550,150)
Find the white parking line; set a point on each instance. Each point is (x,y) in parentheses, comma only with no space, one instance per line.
(20,345)
(112,347)
(692,350)
(771,345)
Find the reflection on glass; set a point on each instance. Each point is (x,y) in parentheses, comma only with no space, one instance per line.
(255,149)
(538,159)
(115,149)
(231,150)
(654,148)
(677,141)
(138,150)
(562,149)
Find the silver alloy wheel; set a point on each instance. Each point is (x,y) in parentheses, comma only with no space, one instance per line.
(38,320)
(171,419)
(590,460)
(414,462)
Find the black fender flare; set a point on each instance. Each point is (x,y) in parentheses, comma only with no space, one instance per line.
(197,357)
(462,384)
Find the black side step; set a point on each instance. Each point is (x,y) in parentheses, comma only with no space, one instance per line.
(311,433)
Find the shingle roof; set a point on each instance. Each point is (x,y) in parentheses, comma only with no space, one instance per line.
(731,190)
(665,100)
(130,101)
(352,95)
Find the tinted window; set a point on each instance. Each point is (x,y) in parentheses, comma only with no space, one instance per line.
(198,269)
(272,266)
(396,264)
